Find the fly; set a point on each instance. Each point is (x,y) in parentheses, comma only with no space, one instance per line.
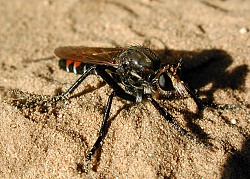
(134,73)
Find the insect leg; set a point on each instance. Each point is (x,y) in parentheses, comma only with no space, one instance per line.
(196,99)
(77,83)
(169,118)
(118,91)
(201,105)
(103,129)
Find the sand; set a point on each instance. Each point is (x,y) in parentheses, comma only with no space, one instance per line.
(42,139)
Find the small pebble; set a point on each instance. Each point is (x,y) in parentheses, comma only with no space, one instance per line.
(233,121)
(244,30)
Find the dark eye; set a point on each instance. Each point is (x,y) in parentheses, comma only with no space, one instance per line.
(165,82)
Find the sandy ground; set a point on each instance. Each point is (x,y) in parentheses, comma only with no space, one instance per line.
(48,140)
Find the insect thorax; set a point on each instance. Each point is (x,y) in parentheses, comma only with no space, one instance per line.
(137,70)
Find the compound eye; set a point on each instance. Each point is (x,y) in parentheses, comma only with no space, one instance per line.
(165,82)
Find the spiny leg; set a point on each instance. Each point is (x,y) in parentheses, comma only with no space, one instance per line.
(79,81)
(193,95)
(118,91)
(201,104)
(103,129)
(170,119)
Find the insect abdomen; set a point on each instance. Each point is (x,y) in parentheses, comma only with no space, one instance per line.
(73,66)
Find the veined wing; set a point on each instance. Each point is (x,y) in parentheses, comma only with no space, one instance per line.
(90,55)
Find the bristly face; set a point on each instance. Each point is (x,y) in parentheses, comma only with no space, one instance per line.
(169,78)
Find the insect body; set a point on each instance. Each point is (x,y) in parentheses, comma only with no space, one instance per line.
(135,74)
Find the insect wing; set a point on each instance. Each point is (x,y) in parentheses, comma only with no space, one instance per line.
(90,55)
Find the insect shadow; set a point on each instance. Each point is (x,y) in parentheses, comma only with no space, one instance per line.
(238,163)
(203,67)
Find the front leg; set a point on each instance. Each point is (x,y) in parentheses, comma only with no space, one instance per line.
(170,118)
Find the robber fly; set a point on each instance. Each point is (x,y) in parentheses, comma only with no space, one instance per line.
(134,73)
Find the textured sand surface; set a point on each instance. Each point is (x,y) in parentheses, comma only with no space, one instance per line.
(48,140)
